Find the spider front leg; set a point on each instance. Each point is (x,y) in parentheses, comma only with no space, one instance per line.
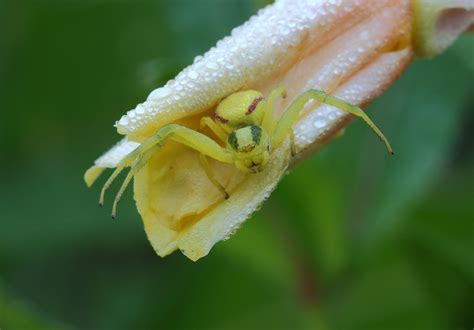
(292,143)
(268,122)
(216,129)
(288,119)
(210,175)
(135,167)
(140,156)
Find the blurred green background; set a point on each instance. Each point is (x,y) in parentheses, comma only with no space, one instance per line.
(352,239)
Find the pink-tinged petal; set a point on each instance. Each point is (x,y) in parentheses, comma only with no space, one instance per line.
(438,24)
(268,45)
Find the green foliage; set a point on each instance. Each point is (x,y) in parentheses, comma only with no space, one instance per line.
(352,239)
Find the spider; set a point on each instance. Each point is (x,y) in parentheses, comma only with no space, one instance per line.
(244,121)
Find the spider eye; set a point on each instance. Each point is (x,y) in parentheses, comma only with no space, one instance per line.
(256,132)
(245,139)
(233,141)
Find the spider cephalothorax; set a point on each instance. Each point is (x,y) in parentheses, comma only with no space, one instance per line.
(244,122)
(240,109)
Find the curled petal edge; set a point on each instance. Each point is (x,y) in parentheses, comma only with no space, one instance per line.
(438,23)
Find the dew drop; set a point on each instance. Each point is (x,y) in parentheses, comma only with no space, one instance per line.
(140,109)
(212,66)
(159,94)
(193,74)
(319,124)
(123,121)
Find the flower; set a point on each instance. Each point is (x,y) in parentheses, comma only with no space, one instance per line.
(438,23)
(351,49)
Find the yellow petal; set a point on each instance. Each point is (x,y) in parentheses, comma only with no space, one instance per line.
(92,174)
(192,220)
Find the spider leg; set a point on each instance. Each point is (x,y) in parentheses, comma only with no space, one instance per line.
(216,129)
(140,156)
(109,181)
(125,162)
(269,122)
(137,165)
(292,143)
(291,115)
(210,175)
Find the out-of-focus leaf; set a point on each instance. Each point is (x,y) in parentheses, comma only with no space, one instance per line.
(424,113)
(422,277)
(18,314)
(444,225)
(387,294)
(261,246)
(314,194)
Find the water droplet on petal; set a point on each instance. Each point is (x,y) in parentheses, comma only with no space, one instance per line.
(193,74)
(158,93)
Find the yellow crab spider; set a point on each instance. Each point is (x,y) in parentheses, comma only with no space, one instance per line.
(244,121)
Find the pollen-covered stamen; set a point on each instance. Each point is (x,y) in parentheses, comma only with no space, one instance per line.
(221,119)
(253,105)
